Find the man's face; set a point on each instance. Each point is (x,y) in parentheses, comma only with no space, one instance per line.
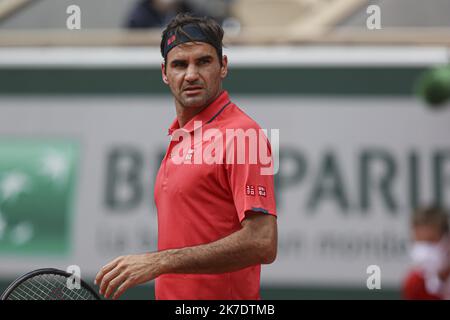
(194,74)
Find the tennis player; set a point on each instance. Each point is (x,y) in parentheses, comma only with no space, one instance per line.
(216,219)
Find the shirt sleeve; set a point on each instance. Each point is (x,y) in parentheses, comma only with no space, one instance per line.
(249,168)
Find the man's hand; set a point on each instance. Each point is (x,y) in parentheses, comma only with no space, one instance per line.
(126,272)
(254,244)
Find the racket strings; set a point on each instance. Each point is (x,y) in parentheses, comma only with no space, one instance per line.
(49,287)
(28,292)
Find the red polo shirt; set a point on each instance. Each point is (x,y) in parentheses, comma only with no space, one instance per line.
(202,196)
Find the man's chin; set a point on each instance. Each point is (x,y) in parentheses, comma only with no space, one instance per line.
(194,102)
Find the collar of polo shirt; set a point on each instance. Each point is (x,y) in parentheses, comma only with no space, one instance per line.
(206,116)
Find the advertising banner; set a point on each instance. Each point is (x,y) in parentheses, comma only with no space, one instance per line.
(77,174)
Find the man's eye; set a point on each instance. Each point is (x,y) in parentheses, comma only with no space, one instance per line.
(178,64)
(203,62)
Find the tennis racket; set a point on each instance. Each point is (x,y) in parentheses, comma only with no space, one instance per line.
(47,284)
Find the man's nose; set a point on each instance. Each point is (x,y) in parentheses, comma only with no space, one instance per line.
(191,73)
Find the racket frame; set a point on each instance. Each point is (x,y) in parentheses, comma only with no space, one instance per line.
(43,271)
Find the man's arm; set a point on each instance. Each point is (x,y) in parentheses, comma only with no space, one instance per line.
(255,243)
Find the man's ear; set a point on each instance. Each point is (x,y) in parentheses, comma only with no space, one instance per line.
(224,67)
(163,73)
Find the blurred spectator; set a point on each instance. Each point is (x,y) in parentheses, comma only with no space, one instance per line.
(217,9)
(430,252)
(157,13)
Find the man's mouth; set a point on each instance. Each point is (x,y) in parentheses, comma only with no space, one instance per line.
(193,89)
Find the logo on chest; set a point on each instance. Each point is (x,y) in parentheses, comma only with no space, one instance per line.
(189,155)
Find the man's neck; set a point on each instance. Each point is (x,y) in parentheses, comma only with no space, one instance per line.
(184,115)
